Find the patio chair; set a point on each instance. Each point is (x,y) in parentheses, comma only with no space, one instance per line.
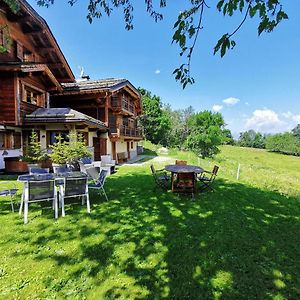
(180,162)
(8,188)
(93,173)
(184,183)
(37,170)
(99,184)
(107,161)
(74,187)
(62,169)
(38,191)
(161,178)
(208,180)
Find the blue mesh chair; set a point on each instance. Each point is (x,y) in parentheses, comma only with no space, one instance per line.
(99,184)
(74,187)
(8,188)
(37,170)
(43,189)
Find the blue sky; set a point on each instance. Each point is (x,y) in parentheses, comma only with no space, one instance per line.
(257,85)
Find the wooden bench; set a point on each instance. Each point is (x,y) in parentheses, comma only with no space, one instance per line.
(122,157)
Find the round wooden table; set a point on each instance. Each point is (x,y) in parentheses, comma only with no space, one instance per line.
(182,181)
(184,169)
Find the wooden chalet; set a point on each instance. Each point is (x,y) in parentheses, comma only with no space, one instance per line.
(36,80)
(115,102)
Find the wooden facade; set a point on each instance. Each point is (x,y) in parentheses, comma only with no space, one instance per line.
(115,102)
(34,74)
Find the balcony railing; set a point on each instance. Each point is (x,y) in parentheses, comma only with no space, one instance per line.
(125,131)
(124,104)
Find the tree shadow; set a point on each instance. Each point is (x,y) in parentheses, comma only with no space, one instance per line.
(238,242)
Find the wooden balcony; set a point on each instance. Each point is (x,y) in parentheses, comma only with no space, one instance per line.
(123,105)
(125,131)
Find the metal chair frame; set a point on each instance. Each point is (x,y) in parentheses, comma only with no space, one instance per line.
(99,183)
(64,187)
(8,191)
(27,195)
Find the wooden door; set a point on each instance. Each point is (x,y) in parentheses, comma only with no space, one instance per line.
(128,149)
(99,147)
(113,149)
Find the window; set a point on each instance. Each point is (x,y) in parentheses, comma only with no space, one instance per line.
(32,96)
(5,40)
(51,136)
(131,145)
(20,54)
(6,141)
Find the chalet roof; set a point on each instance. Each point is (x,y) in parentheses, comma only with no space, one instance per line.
(35,27)
(25,67)
(61,115)
(109,84)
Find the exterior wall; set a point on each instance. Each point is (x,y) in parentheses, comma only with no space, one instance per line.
(9,152)
(7,98)
(17,34)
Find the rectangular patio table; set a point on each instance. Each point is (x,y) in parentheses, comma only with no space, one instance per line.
(58,177)
(176,170)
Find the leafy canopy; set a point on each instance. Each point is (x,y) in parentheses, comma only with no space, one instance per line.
(206,133)
(155,121)
(189,23)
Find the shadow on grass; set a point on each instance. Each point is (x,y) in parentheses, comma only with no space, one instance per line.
(238,242)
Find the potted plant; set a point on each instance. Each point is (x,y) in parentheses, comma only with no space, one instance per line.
(59,152)
(63,152)
(34,154)
(77,149)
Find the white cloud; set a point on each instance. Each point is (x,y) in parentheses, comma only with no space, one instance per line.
(157,72)
(247,103)
(292,117)
(231,101)
(217,107)
(266,121)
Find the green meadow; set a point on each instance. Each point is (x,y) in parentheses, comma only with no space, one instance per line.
(240,241)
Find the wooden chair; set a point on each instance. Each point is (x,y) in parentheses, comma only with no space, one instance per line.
(184,183)
(161,179)
(208,180)
(180,162)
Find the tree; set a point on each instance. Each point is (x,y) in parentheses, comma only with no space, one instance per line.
(206,133)
(155,121)
(34,153)
(285,143)
(189,24)
(179,130)
(228,138)
(296,131)
(252,139)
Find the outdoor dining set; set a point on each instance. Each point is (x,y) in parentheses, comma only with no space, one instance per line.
(40,185)
(183,178)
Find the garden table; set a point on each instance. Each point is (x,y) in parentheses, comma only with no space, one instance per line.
(183,177)
(58,177)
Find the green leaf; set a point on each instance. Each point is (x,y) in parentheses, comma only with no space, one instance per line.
(220,4)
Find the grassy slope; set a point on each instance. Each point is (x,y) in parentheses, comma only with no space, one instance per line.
(239,242)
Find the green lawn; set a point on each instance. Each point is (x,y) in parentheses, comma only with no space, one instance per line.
(239,242)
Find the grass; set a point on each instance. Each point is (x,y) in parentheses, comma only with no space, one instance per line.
(239,242)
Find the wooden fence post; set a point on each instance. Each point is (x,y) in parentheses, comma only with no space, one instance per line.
(238,172)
